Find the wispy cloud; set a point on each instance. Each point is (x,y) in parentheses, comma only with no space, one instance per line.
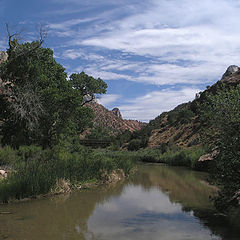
(152,104)
(165,43)
(69,23)
(108,99)
(190,41)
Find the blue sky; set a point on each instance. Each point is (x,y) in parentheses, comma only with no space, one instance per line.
(153,54)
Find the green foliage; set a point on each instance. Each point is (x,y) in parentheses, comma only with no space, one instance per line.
(134,145)
(37,170)
(171,155)
(37,102)
(222,112)
(122,138)
(122,159)
(99,133)
(7,156)
(180,117)
(87,85)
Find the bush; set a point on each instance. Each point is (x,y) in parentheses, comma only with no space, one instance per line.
(36,171)
(180,117)
(221,113)
(171,155)
(134,145)
(7,156)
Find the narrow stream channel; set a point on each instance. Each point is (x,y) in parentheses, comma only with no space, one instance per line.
(157,202)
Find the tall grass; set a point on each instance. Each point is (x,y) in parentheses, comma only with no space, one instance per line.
(175,157)
(36,171)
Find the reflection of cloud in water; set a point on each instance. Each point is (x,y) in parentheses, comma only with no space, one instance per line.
(136,198)
(140,214)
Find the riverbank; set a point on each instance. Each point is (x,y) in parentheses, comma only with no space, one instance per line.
(36,171)
(65,187)
(174,156)
(151,203)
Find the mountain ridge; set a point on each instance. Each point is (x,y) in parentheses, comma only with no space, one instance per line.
(182,126)
(112,120)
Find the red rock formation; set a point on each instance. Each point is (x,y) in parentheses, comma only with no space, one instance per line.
(112,120)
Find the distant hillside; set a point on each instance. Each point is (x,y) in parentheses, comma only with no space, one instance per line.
(181,125)
(112,121)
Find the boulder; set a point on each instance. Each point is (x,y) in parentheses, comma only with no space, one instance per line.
(3,173)
(208,157)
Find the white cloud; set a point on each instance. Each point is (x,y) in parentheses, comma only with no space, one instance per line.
(152,104)
(105,75)
(155,42)
(108,99)
(170,31)
(69,23)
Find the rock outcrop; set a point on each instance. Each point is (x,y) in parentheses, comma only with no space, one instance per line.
(117,113)
(209,156)
(112,120)
(230,70)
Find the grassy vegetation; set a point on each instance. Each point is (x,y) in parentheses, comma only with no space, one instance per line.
(180,157)
(36,171)
(173,155)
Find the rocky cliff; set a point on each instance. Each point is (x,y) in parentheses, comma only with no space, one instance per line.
(112,120)
(182,126)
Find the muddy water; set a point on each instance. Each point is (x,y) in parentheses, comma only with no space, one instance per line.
(158,202)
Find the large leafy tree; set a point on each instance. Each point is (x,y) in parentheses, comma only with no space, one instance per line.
(87,86)
(222,113)
(37,102)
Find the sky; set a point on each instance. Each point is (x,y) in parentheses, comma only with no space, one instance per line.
(153,54)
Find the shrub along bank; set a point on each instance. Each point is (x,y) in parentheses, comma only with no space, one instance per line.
(36,171)
(173,155)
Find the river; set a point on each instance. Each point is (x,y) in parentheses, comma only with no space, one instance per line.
(156,203)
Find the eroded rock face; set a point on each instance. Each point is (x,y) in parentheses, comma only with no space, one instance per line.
(117,113)
(231,70)
(113,122)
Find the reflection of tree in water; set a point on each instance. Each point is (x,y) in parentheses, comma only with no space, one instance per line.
(60,218)
(66,217)
(218,224)
(190,190)
(182,185)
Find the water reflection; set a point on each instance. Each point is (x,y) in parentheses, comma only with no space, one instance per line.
(158,202)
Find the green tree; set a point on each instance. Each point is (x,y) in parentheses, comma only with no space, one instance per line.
(87,86)
(37,102)
(222,113)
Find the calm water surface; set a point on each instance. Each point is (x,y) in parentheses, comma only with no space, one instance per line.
(158,202)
